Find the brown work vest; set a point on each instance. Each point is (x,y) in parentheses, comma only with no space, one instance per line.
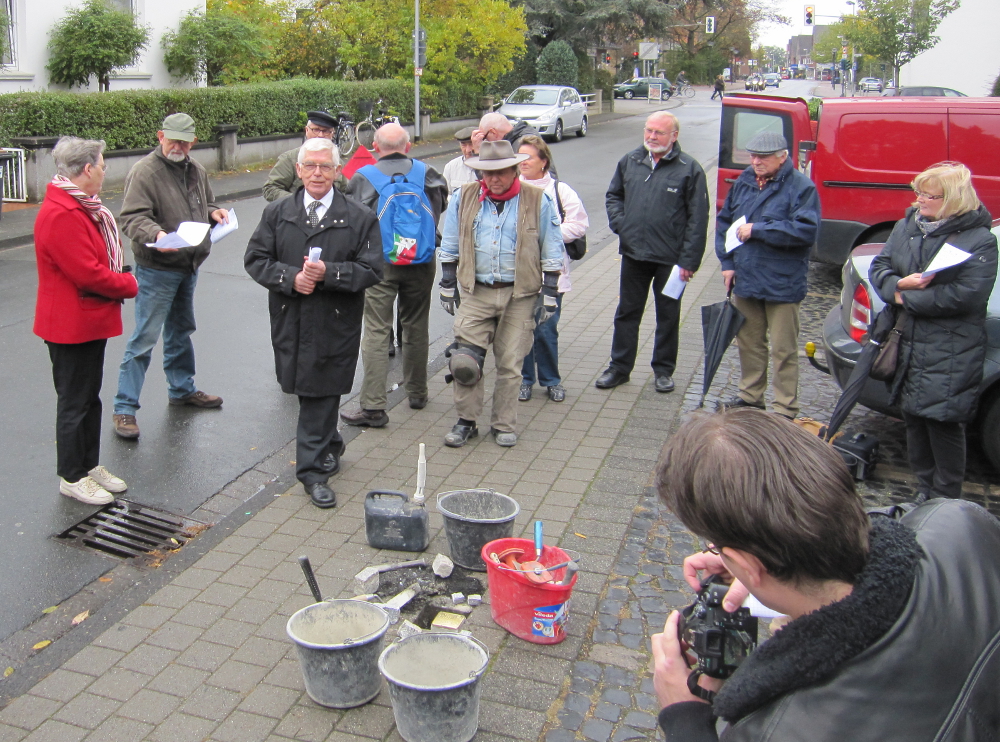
(527,249)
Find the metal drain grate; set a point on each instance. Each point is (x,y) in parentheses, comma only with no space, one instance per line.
(126,530)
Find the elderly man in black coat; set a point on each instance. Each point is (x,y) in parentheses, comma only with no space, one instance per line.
(316,253)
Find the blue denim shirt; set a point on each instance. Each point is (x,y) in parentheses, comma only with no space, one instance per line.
(496,237)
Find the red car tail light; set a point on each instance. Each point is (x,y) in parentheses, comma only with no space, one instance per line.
(861,313)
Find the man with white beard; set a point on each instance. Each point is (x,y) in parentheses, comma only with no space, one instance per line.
(658,206)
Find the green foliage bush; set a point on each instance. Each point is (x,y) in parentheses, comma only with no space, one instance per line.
(129,119)
(585,79)
(557,65)
(522,72)
(604,80)
(996,87)
(815,106)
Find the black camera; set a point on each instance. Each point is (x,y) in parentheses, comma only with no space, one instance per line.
(719,640)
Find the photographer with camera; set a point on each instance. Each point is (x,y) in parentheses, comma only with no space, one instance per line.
(894,632)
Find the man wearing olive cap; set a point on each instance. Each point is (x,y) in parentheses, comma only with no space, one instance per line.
(456,172)
(767,271)
(282,181)
(163,189)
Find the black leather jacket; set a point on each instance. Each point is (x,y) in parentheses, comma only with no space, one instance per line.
(933,674)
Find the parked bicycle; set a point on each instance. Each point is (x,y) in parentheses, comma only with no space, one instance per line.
(368,126)
(345,136)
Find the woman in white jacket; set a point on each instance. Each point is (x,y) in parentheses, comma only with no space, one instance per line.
(544,354)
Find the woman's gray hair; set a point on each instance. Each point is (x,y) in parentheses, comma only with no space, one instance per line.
(319,144)
(71,154)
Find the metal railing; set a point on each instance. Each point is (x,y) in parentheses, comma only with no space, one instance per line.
(15,187)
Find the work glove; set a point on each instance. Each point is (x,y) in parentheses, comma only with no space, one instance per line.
(450,298)
(547,304)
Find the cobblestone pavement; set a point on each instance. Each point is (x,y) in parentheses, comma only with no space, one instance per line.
(202,654)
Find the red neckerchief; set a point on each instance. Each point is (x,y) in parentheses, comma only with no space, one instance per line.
(505,196)
(763,181)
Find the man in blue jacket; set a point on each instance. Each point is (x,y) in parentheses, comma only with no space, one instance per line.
(773,212)
(657,204)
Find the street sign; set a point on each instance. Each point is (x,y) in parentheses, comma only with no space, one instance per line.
(710,24)
(418,72)
(649,50)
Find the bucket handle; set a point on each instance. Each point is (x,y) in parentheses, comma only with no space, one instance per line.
(349,641)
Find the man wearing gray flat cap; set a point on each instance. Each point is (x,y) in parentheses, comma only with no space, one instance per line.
(501,255)
(456,172)
(773,211)
(283,181)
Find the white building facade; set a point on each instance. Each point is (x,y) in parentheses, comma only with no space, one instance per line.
(32,22)
(967,58)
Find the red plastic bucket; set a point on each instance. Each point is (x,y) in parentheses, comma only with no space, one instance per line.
(534,612)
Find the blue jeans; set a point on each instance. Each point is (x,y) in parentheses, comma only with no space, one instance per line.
(544,352)
(165,301)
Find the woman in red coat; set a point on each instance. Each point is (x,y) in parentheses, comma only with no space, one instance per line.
(81,288)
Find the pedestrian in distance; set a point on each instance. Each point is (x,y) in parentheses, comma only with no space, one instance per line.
(408,197)
(892,629)
(283,180)
(82,282)
(542,362)
(765,267)
(657,204)
(720,87)
(316,303)
(456,172)
(942,318)
(501,254)
(163,189)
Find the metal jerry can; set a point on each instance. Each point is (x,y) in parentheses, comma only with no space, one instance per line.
(393,521)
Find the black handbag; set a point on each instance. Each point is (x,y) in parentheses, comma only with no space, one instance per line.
(577,248)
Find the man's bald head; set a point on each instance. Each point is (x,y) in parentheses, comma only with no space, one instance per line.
(663,118)
(495,126)
(391,139)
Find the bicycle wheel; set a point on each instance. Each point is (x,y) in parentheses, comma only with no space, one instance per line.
(366,134)
(688,91)
(345,139)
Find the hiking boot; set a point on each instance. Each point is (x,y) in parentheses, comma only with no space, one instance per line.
(557,393)
(460,434)
(86,491)
(108,480)
(505,439)
(366,418)
(126,426)
(524,394)
(198,399)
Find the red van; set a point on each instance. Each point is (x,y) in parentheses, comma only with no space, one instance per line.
(863,153)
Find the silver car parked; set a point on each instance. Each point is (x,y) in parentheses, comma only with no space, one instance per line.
(551,109)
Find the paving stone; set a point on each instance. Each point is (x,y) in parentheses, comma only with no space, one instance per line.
(175,636)
(178,680)
(367,721)
(117,729)
(516,722)
(180,727)
(85,710)
(62,685)
(11,734)
(607,711)
(149,706)
(119,684)
(597,730)
(623,734)
(307,723)
(560,735)
(211,703)
(147,659)
(237,676)
(93,660)
(28,712)
(641,720)
(56,731)
(617,696)
(270,700)
(243,727)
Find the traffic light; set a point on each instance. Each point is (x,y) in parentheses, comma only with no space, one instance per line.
(607,59)
(635,56)
(710,24)
(810,14)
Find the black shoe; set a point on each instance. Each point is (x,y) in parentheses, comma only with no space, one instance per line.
(610,379)
(460,435)
(321,495)
(664,384)
(921,498)
(418,403)
(366,418)
(331,462)
(524,394)
(392,350)
(556,393)
(737,402)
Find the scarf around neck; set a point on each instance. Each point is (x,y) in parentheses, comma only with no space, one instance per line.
(102,217)
(507,195)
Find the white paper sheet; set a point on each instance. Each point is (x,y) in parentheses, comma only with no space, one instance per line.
(222,229)
(947,257)
(674,286)
(760,610)
(188,234)
(732,241)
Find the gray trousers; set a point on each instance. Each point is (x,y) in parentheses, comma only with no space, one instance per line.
(489,315)
(414,284)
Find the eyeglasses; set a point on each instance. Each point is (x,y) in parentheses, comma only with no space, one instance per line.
(656,132)
(927,196)
(713,549)
(320,130)
(322,167)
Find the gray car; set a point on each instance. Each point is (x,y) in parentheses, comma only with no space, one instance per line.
(847,324)
(551,109)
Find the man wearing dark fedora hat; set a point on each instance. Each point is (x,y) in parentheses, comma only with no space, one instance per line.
(765,267)
(501,254)
(282,181)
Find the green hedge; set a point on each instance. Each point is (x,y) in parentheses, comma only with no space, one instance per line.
(129,119)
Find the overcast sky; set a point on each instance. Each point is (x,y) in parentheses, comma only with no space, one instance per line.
(827,12)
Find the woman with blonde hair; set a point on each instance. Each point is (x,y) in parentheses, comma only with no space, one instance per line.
(942,317)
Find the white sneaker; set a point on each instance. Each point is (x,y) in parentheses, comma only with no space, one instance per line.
(108,480)
(86,490)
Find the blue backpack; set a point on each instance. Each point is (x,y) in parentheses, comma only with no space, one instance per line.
(404,215)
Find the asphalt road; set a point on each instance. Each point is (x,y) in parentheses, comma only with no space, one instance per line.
(184,456)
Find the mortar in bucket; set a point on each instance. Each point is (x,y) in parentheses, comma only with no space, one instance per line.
(473,518)
(434,686)
(339,643)
(535,612)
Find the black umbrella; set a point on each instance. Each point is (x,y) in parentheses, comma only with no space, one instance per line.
(859,376)
(719,324)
